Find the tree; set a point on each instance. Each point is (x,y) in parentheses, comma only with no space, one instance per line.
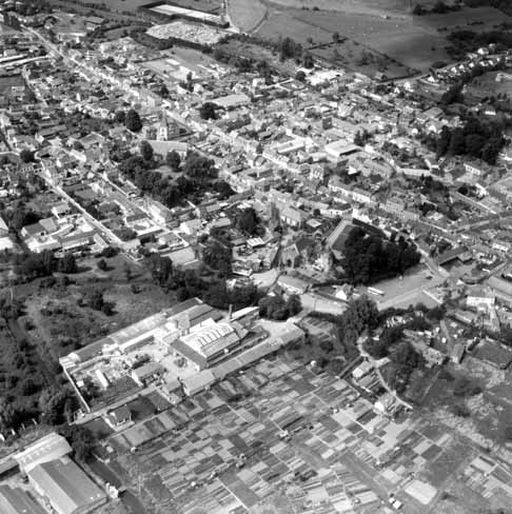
(95,299)
(248,221)
(120,117)
(7,415)
(300,76)
(133,121)
(294,304)
(67,264)
(207,111)
(457,142)
(199,168)
(164,91)
(307,60)
(80,439)
(440,7)
(102,265)
(288,48)
(218,257)
(161,269)
(173,160)
(146,150)
(127,271)
(51,405)
(27,155)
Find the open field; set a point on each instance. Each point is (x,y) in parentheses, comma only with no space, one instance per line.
(61,322)
(414,41)
(487,85)
(246,15)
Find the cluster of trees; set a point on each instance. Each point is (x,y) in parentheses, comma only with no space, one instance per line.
(218,256)
(378,347)
(438,8)
(21,381)
(286,48)
(453,94)
(247,221)
(96,301)
(199,174)
(464,41)
(503,5)
(244,64)
(404,360)
(188,284)
(18,216)
(53,406)
(369,258)
(208,111)
(132,120)
(289,49)
(34,265)
(277,308)
(483,140)
(80,439)
(341,348)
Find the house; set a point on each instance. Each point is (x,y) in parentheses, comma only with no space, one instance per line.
(61,209)
(292,217)
(34,230)
(480,298)
(457,353)
(298,252)
(147,373)
(119,416)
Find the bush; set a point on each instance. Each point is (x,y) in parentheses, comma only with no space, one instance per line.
(460,410)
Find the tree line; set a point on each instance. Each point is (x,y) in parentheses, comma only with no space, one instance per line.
(199,175)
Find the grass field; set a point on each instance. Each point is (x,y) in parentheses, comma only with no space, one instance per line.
(383,28)
(68,324)
(246,15)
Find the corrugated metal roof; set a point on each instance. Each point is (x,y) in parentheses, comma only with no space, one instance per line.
(66,485)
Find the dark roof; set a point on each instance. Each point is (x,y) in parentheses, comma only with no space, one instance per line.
(188,353)
(451,255)
(93,349)
(183,306)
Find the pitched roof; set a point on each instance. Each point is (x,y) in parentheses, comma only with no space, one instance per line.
(49,447)
(17,501)
(66,485)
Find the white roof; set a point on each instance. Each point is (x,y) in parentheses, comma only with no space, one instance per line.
(211,339)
